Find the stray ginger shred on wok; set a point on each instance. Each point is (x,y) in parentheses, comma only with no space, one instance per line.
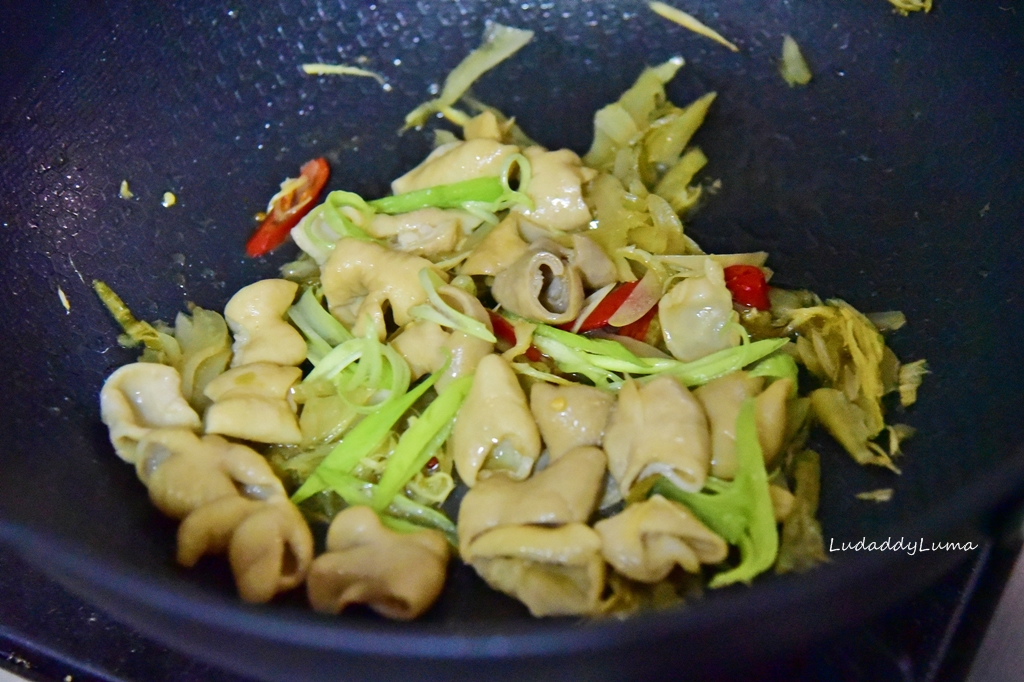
(628,414)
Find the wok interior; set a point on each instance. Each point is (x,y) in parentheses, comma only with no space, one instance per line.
(892,181)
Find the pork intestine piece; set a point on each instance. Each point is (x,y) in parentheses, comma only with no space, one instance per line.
(594,265)
(399,575)
(648,539)
(721,399)
(553,571)
(771,409)
(228,499)
(696,315)
(658,428)
(455,162)
(269,545)
(570,416)
(497,251)
(426,345)
(140,397)
(255,315)
(556,190)
(360,278)
(540,285)
(424,232)
(251,402)
(184,472)
(494,430)
(565,492)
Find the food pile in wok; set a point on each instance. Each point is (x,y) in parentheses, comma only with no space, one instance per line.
(624,416)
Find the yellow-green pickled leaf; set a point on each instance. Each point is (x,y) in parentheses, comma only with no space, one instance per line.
(160,347)
(801,545)
(668,136)
(880,495)
(499,43)
(910,377)
(904,7)
(340,70)
(847,423)
(205,352)
(619,124)
(674,187)
(793,67)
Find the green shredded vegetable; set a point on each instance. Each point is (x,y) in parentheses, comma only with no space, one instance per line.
(322,330)
(486,194)
(364,438)
(420,441)
(778,366)
(329,222)
(690,23)
(600,359)
(443,314)
(740,511)
(486,190)
(879,495)
(357,492)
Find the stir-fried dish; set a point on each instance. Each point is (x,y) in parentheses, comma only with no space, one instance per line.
(624,415)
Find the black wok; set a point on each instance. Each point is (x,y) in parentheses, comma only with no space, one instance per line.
(894,181)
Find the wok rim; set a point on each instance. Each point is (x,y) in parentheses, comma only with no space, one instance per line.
(972,508)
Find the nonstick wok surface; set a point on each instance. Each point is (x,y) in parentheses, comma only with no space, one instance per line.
(892,181)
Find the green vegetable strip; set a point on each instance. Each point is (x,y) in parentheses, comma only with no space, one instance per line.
(321,330)
(395,374)
(718,364)
(780,366)
(486,189)
(357,492)
(425,435)
(341,224)
(596,359)
(323,323)
(399,525)
(449,316)
(726,512)
(410,510)
(139,331)
(742,513)
(576,362)
(337,360)
(316,346)
(603,347)
(327,223)
(364,438)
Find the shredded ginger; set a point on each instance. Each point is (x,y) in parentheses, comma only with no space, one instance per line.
(688,22)
(904,7)
(340,70)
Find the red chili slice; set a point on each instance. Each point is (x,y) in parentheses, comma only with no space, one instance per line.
(748,286)
(289,209)
(600,315)
(504,331)
(638,330)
